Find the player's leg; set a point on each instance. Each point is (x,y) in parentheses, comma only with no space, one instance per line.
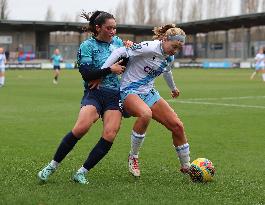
(112,114)
(263,74)
(2,77)
(136,107)
(163,113)
(253,75)
(111,125)
(56,74)
(88,114)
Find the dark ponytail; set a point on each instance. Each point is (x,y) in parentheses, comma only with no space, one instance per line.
(95,18)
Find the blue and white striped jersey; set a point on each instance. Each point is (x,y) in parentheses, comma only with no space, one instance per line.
(146,62)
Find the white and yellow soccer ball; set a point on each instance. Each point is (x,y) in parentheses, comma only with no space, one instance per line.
(201,170)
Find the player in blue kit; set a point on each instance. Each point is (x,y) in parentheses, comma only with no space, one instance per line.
(56,59)
(102,102)
(147,61)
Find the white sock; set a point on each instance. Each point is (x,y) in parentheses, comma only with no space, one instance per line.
(136,143)
(1,80)
(82,170)
(263,76)
(253,74)
(54,164)
(183,152)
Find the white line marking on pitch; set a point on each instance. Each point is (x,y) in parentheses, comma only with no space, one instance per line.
(228,98)
(219,104)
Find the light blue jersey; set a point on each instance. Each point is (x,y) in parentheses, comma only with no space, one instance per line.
(93,53)
(56,59)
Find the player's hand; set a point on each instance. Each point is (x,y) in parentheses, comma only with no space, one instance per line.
(117,68)
(94,84)
(175,93)
(127,43)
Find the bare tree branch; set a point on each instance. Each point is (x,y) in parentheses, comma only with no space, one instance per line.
(4,9)
(139,11)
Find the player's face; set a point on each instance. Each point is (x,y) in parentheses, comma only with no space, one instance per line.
(107,30)
(172,47)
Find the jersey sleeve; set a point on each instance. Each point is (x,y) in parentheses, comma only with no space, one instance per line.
(143,48)
(85,54)
(168,76)
(115,56)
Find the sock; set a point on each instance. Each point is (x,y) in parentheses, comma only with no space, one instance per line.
(54,164)
(183,152)
(65,147)
(97,153)
(253,74)
(56,78)
(263,76)
(82,170)
(1,80)
(136,143)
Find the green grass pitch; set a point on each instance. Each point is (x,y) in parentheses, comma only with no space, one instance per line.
(224,117)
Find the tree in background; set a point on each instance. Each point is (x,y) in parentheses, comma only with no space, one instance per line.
(262,2)
(249,6)
(121,12)
(4,9)
(139,12)
(49,14)
(153,12)
(178,10)
(195,12)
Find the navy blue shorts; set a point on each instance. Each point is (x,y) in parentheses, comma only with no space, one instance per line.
(56,67)
(103,99)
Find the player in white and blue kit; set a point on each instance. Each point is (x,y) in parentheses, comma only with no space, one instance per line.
(147,61)
(2,67)
(102,102)
(259,64)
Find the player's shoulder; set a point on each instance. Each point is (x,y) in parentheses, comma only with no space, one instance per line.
(87,44)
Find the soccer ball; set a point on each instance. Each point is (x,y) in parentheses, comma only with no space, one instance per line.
(201,170)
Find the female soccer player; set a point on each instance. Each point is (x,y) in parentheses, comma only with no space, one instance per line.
(260,64)
(56,60)
(148,60)
(2,67)
(102,102)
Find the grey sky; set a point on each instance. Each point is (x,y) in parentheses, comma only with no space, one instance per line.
(36,9)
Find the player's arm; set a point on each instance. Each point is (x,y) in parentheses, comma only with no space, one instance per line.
(85,64)
(86,67)
(125,53)
(168,76)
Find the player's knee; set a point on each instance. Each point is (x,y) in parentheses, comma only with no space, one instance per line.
(80,130)
(178,128)
(146,114)
(110,133)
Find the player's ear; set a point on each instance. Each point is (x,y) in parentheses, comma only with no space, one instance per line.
(97,28)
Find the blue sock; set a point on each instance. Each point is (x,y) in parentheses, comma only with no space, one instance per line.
(98,152)
(65,147)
